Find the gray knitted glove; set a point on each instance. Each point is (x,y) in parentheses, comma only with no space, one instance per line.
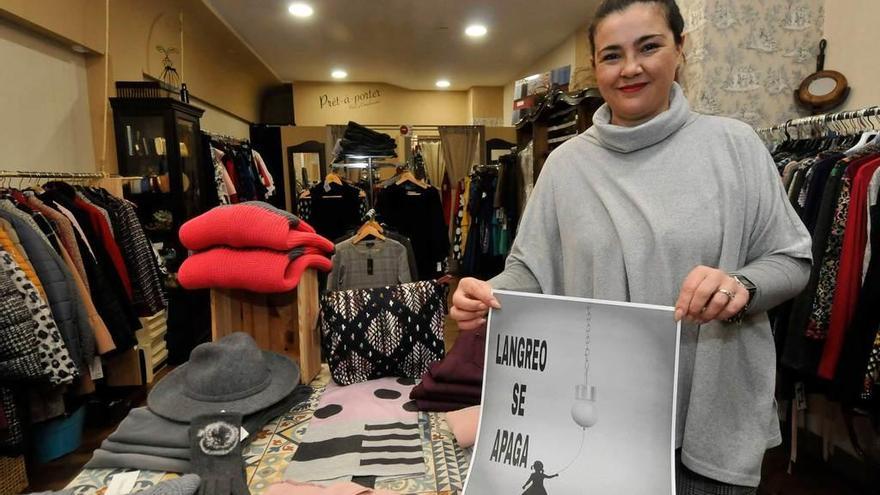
(215,448)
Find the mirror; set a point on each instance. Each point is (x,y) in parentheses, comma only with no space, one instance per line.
(822,86)
(306,163)
(307,167)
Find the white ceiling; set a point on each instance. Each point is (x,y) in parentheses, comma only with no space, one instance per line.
(409,43)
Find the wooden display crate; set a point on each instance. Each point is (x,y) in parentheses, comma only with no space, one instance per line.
(285,323)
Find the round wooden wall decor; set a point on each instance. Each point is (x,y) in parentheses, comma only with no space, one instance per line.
(823,90)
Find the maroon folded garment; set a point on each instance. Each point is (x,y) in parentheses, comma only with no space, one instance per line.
(440,406)
(464,363)
(432,389)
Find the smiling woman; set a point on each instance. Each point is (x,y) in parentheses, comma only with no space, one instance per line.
(658,204)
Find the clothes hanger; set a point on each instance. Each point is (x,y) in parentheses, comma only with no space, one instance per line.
(332,178)
(407,176)
(369,228)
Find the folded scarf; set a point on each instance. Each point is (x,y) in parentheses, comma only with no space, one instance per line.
(101,459)
(252,224)
(255,270)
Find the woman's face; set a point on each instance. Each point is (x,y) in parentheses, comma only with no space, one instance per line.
(636,58)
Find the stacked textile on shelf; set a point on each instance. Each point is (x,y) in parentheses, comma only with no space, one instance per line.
(231,374)
(455,382)
(363,141)
(252,246)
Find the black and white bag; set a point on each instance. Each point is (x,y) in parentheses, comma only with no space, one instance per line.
(383,331)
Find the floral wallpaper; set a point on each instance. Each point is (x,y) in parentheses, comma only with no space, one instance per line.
(745,58)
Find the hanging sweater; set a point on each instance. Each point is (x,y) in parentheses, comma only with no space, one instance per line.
(626,213)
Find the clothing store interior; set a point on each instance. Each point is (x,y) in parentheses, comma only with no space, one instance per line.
(250,247)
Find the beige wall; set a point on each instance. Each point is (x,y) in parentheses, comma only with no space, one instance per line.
(224,77)
(74,21)
(44,104)
(486,105)
(318,103)
(851,31)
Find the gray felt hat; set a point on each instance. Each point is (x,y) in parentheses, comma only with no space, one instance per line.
(231,375)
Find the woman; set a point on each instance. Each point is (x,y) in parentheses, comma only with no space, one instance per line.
(658,204)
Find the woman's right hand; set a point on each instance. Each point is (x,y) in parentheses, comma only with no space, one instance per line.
(471,303)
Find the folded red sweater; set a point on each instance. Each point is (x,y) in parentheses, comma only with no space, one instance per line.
(256,270)
(253,224)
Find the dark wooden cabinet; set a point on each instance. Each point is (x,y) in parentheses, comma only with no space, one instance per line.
(558,117)
(159,140)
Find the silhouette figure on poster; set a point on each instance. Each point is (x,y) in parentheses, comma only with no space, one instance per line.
(537,480)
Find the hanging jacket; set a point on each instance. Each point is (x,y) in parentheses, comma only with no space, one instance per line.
(66,236)
(54,356)
(106,287)
(61,291)
(10,243)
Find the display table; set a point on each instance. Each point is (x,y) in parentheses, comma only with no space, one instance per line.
(268,456)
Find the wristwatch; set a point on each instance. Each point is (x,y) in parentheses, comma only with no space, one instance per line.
(746,284)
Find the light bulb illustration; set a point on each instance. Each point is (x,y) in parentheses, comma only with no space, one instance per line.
(584,411)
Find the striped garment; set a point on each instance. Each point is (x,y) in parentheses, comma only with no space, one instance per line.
(365,429)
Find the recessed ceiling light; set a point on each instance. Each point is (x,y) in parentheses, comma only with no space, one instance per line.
(476,31)
(300,9)
(443,83)
(339,74)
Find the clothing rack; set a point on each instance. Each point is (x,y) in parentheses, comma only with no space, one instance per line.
(226,137)
(839,122)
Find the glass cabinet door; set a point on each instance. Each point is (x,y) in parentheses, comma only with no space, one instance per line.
(145,152)
(189,167)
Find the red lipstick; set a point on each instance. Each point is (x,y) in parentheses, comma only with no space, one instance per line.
(632,88)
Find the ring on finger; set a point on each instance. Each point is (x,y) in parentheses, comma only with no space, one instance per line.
(730,294)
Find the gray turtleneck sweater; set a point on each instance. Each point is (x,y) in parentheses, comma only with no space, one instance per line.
(625,213)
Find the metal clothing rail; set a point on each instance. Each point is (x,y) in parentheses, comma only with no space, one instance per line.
(54,175)
(840,121)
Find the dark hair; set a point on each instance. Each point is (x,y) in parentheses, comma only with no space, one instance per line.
(608,7)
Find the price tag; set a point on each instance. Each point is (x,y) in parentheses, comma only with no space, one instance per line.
(122,483)
(95,369)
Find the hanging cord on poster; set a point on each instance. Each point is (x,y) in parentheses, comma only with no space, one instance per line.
(583,411)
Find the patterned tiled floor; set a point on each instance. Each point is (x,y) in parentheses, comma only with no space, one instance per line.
(267,457)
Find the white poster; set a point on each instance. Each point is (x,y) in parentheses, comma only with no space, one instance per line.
(578,397)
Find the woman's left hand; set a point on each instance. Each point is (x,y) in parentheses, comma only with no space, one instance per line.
(709,294)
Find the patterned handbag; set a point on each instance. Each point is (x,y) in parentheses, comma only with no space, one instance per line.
(384,331)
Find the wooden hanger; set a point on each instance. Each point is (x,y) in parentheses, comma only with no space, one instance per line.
(369,228)
(409,177)
(332,178)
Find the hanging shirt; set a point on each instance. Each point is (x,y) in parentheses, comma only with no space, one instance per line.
(368,264)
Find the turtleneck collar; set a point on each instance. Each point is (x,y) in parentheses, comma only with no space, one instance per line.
(629,139)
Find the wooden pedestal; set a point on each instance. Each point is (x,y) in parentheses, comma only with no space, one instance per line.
(283,323)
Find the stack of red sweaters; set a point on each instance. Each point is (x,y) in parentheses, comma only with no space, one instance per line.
(251,246)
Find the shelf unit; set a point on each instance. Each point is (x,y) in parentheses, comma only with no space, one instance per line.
(559,117)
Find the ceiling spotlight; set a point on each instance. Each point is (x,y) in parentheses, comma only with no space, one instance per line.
(300,9)
(339,74)
(476,31)
(443,83)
